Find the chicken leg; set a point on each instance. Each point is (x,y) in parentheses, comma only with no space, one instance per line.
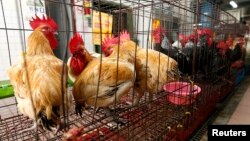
(33,127)
(109,113)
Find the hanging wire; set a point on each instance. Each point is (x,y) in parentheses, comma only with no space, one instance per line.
(101,57)
(135,63)
(135,55)
(117,62)
(23,48)
(64,85)
(26,70)
(6,33)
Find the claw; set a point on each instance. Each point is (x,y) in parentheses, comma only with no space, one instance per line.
(33,127)
(116,118)
(49,124)
(121,121)
(97,109)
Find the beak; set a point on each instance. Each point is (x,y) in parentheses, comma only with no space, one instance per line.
(57,36)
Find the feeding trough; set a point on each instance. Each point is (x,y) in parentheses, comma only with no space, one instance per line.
(181,93)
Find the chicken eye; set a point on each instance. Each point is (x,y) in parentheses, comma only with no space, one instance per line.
(44,29)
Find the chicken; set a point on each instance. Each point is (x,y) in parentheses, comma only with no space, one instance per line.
(37,78)
(208,60)
(181,51)
(220,64)
(97,83)
(234,52)
(74,134)
(181,42)
(153,69)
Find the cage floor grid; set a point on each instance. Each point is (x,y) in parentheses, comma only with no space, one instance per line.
(143,122)
(155,120)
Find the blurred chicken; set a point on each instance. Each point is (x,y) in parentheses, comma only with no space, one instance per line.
(181,50)
(154,69)
(208,59)
(37,78)
(234,52)
(114,82)
(76,134)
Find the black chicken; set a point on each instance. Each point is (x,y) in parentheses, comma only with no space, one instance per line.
(235,54)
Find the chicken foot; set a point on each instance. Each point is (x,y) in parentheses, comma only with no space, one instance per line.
(53,124)
(135,98)
(33,127)
(78,109)
(109,113)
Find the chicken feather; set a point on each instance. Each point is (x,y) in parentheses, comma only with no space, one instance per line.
(114,81)
(37,81)
(153,69)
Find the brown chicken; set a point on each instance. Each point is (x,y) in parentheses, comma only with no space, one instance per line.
(113,82)
(37,77)
(153,69)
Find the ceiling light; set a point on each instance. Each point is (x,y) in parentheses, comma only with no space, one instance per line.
(233,4)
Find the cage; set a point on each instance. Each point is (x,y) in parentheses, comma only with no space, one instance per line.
(191,32)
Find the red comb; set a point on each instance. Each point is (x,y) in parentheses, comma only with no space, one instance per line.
(36,22)
(157,34)
(159,30)
(205,31)
(222,45)
(192,37)
(183,39)
(208,32)
(230,41)
(75,42)
(210,41)
(124,36)
(108,41)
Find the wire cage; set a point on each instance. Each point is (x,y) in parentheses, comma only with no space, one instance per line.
(189,31)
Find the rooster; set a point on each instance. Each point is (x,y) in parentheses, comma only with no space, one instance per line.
(97,83)
(37,78)
(235,53)
(153,69)
(181,50)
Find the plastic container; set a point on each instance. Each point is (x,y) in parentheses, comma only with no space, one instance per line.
(181,93)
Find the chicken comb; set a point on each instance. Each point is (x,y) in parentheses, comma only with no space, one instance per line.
(124,36)
(35,22)
(183,37)
(230,41)
(157,34)
(208,32)
(192,37)
(108,41)
(74,43)
(159,30)
(205,31)
(221,45)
